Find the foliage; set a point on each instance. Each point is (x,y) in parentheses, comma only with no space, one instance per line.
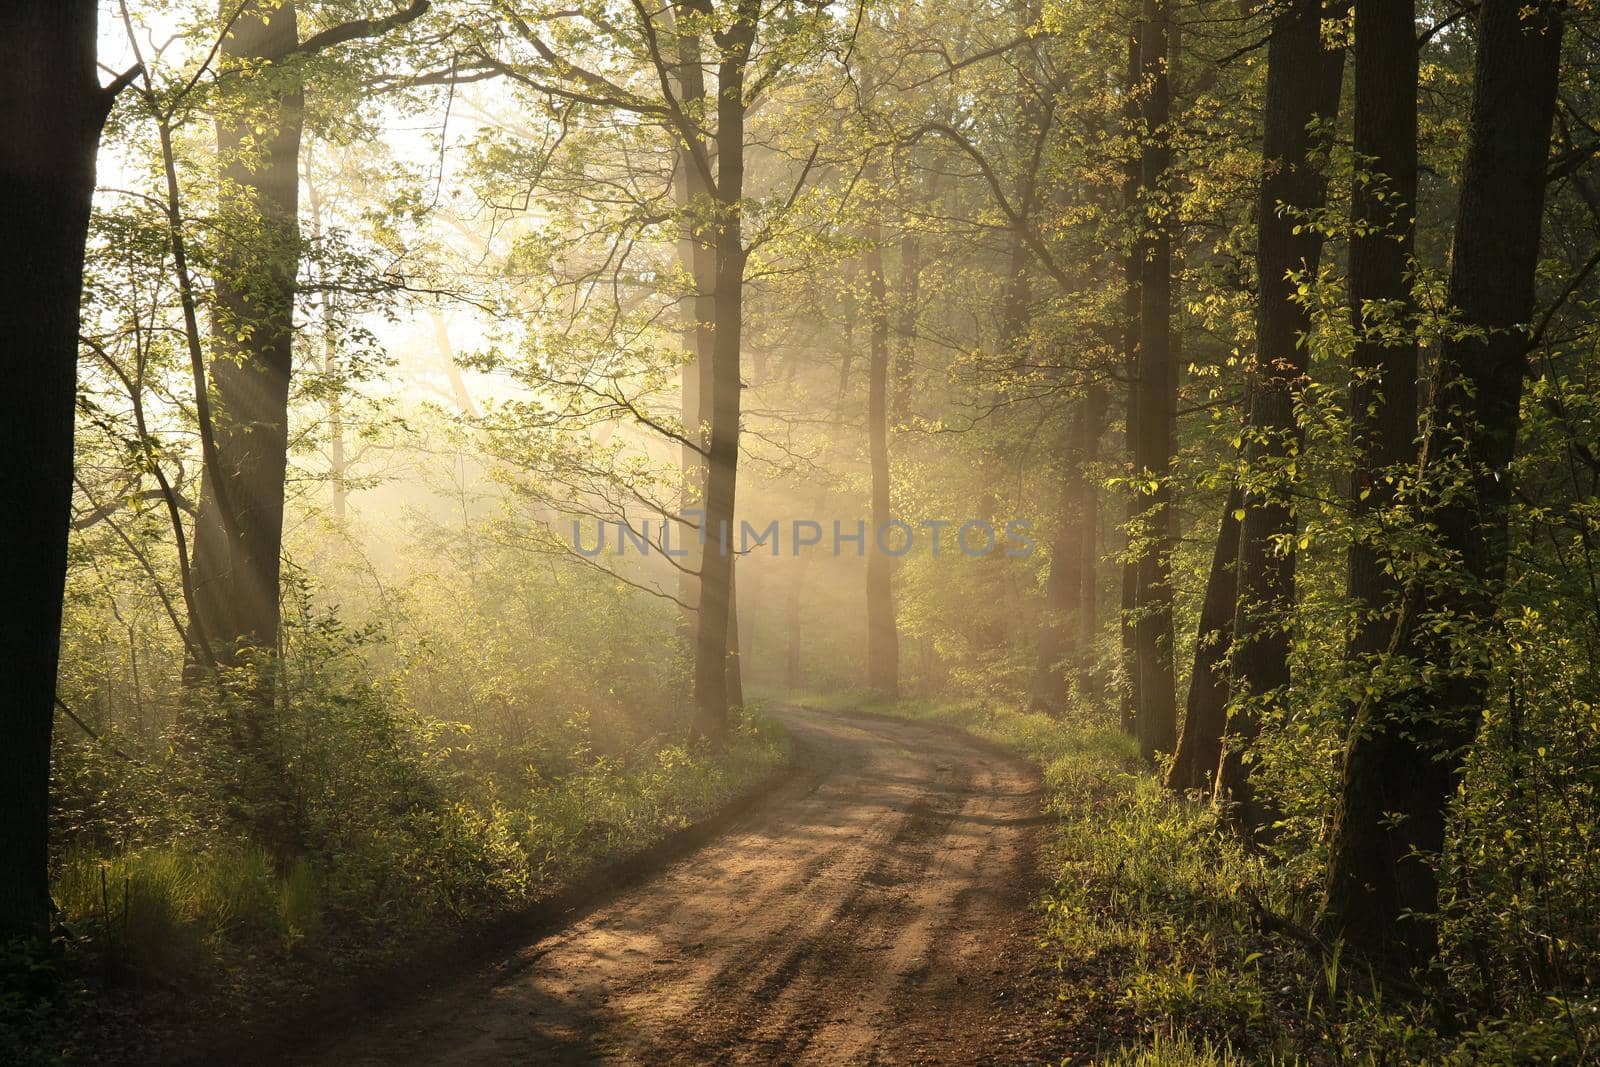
(1173,939)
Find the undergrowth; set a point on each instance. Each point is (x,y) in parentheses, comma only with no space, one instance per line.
(1176,947)
(182,918)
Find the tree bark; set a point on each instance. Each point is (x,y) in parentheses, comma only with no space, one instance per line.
(51,111)
(1383,389)
(1291,185)
(697,258)
(1059,628)
(1156,715)
(716,569)
(239,532)
(1068,621)
(1206,713)
(1405,751)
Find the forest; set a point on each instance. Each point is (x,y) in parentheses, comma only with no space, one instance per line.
(800,531)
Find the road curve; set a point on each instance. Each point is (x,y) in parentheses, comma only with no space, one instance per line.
(875,910)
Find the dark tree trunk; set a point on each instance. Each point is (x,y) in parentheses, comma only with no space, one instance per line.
(716,569)
(1291,184)
(1383,391)
(1206,715)
(1156,715)
(1059,644)
(1405,752)
(1128,692)
(239,533)
(883,638)
(51,110)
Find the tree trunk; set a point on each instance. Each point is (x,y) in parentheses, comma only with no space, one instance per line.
(51,110)
(735,672)
(1383,390)
(1200,746)
(1060,626)
(1291,184)
(1156,714)
(697,259)
(716,568)
(1128,694)
(1089,543)
(904,370)
(1405,752)
(239,531)
(883,638)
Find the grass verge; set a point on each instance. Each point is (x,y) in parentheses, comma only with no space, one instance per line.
(1174,947)
(158,945)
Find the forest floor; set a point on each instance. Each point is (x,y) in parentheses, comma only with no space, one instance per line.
(875,909)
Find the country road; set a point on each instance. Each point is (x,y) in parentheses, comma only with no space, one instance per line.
(873,910)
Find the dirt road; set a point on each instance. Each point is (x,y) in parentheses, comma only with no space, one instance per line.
(872,911)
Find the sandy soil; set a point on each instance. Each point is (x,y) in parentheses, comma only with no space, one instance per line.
(875,910)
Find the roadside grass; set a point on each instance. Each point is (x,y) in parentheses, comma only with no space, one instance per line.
(1172,943)
(203,926)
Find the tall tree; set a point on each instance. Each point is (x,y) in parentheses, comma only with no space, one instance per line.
(1406,750)
(1128,694)
(734,39)
(239,532)
(1383,390)
(1156,718)
(1066,632)
(51,111)
(1292,184)
(883,637)
(1061,636)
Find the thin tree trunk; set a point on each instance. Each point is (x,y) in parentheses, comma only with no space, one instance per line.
(1156,716)
(1128,694)
(51,110)
(1291,184)
(1405,752)
(1058,626)
(883,638)
(903,372)
(735,673)
(1095,404)
(1205,716)
(338,476)
(716,569)
(697,258)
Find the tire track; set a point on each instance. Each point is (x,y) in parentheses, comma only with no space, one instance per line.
(873,912)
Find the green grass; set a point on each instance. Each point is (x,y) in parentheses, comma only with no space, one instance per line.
(1153,920)
(198,926)
(175,910)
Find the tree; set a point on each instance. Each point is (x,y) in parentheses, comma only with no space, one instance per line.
(734,43)
(238,539)
(1292,186)
(1194,766)
(1156,723)
(51,111)
(883,638)
(1406,749)
(1383,390)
